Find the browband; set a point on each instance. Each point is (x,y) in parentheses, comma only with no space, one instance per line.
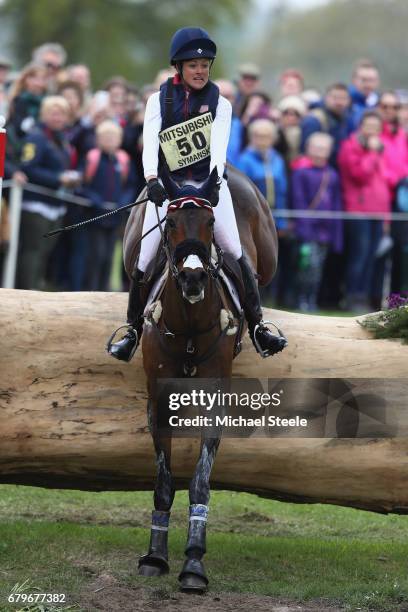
(189,202)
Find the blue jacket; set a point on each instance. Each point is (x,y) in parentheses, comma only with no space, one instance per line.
(236,141)
(186,107)
(45,155)
(339,128)
(359,104)
(256,168)
(108,185)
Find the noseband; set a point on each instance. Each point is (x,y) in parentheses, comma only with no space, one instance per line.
(191,246)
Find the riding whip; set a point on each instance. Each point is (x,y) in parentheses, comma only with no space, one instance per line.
(82,223)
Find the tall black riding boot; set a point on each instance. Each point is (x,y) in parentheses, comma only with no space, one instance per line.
(265,342)
(125,348)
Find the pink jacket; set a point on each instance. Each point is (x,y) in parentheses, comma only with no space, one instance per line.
(395,153)
(364,178)
(301,162)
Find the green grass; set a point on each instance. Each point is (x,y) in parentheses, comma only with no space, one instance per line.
(61,540)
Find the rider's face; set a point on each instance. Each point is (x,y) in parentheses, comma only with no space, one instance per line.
(196,72)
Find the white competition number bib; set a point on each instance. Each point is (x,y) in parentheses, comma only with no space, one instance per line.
(188,142)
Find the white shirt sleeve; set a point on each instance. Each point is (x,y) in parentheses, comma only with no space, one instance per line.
(220,132)
(151,128)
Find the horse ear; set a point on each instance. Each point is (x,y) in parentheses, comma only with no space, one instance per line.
(170,186)
(208,187)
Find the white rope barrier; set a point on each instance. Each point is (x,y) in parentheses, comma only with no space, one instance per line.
(63,195)
(286,213)
(17,194)
(15,204)
(337,214)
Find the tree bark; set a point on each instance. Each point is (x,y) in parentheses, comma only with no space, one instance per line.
(73,417)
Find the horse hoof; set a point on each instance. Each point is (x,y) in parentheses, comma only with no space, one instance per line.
(191,583)
(192,577)
(151,571)
(153,566)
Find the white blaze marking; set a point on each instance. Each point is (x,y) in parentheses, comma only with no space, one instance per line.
(193,262)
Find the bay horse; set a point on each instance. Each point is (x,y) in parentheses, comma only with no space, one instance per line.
(187,335)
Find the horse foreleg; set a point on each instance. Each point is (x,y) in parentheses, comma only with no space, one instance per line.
(193,576)
(155,563)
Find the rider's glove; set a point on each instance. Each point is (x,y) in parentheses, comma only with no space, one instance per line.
(155,192)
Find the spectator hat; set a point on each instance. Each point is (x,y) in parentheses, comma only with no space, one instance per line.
(249,70)
(4,62)
(292,103)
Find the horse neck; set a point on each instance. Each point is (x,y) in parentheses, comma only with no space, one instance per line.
(177,311)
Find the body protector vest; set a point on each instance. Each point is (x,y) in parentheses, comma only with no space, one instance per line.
(185,133)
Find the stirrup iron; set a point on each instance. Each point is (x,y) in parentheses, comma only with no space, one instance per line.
(130,328)
(268,352)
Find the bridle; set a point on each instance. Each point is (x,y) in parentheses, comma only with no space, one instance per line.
(190,246)
(188,357)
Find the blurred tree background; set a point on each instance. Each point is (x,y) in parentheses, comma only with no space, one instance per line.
(127,37)
(324,42)
(131,37)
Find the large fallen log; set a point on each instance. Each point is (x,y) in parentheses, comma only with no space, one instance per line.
(72,417)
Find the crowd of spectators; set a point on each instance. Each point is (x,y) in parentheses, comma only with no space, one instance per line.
(310,152)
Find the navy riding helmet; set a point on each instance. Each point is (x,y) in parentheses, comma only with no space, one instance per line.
(189,43)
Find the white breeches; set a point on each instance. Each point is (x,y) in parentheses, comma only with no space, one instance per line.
(225,227)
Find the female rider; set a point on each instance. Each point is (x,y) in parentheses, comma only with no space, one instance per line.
(190,94)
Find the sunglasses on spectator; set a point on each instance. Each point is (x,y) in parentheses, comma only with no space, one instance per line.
(289,111)
(390,106)
(52,66)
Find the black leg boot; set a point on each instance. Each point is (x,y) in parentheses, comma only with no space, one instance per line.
(193,577)
(125,348)
(265,342)
(155,563)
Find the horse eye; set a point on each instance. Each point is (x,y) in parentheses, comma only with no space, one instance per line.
(171,223)
(211,222)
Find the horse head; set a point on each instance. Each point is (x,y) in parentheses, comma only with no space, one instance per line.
(189,233)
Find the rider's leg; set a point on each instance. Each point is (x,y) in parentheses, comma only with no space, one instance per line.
(227,236)
(225,227)
(265,342)
(149,245)
(125,348)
